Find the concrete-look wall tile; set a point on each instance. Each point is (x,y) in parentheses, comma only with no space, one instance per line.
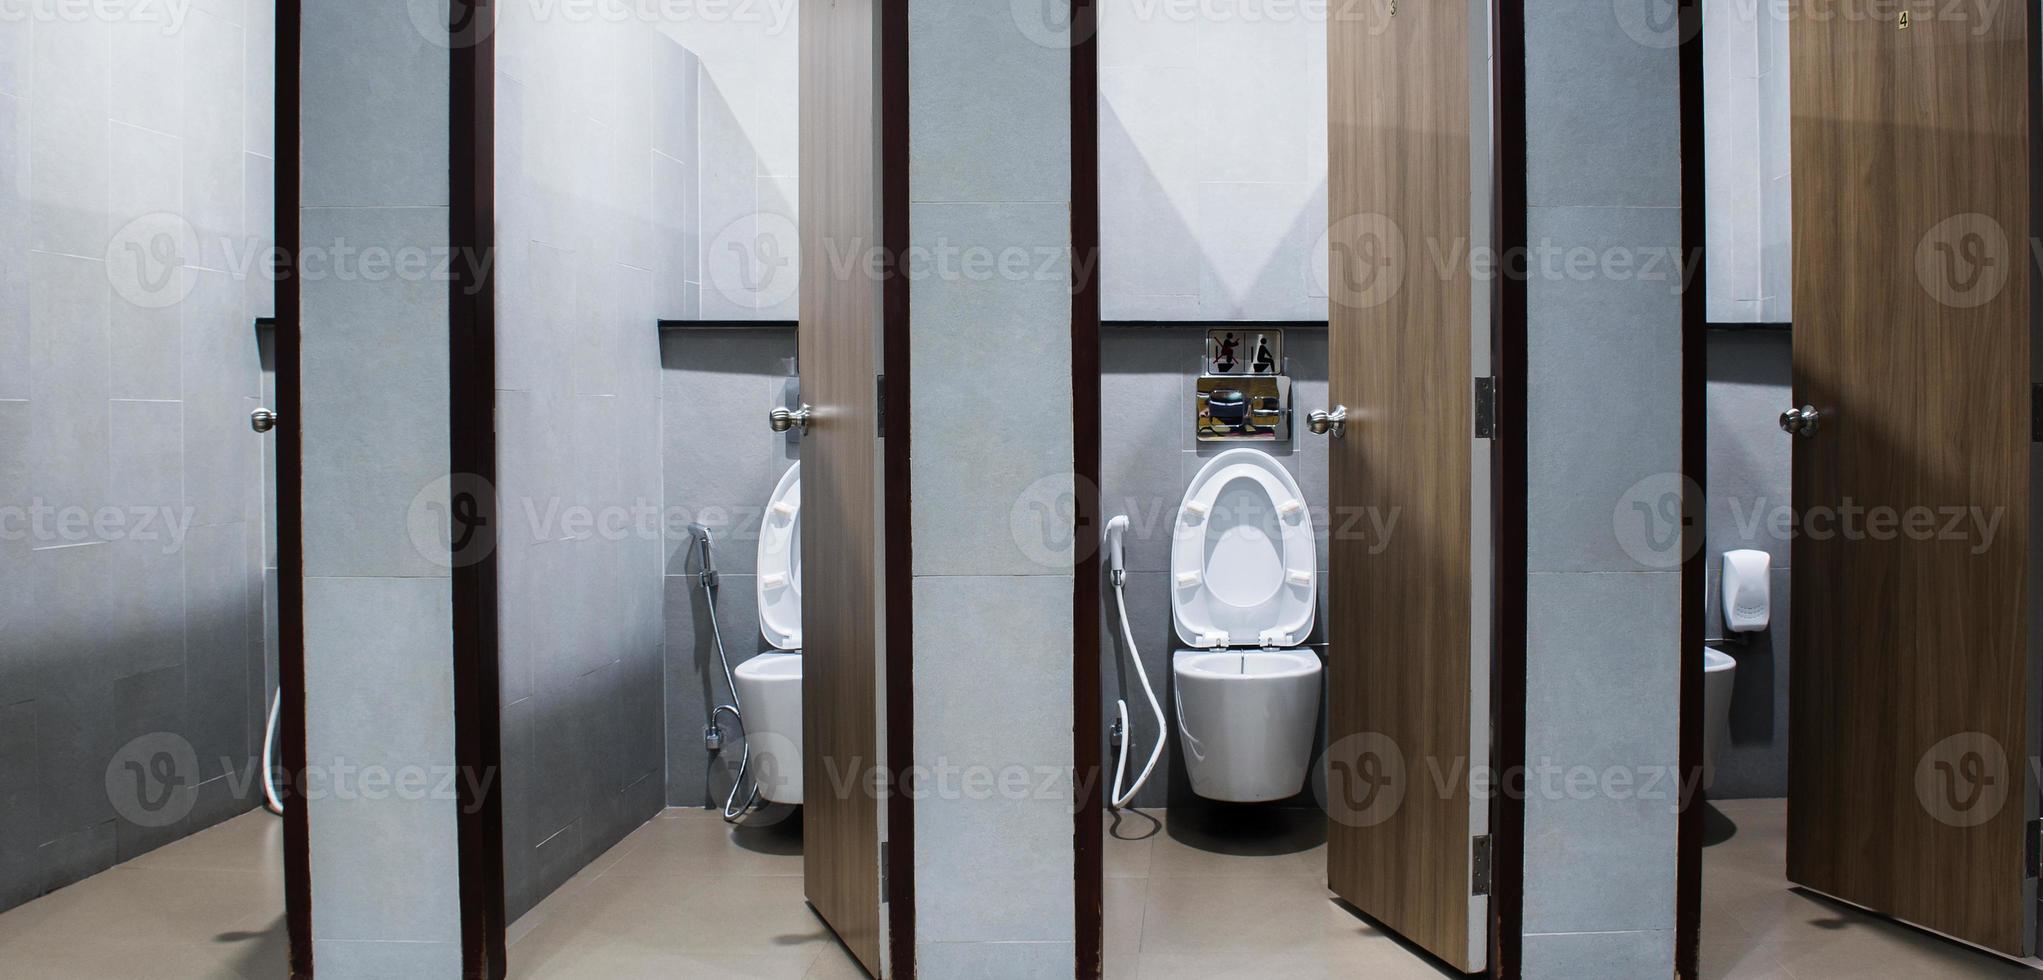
(145,352)
(1148,227)
(69,350)
(259,106)
(1603,795)
(20,877)
(579,468)
(1598,955)
(213,139)
(259,197)
(995,961)
(1749,463)
(780,241)
(68,116)
(375,400)
(1252,80)
(727,191)
(996,512)
(987,91)
(15,208)
(217,610)
(389,960)
(1604,358)
(1145,401)
(992,709)
(677,236)
(1590,76)
(1257,241)
(148,76)
(721,476)
(1207,221)
(377,650)
(381,89)
(221,373)
(14,57)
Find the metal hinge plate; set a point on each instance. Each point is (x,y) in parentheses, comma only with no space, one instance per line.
(2034,864)
(2036,413)
(1486,408)
(884,896)
(880,403)
(1479,865)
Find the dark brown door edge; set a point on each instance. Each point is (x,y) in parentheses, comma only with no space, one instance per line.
(290,479)
(1088,762)
(472,459)
(1507,499)
(897,519)
(1694,354)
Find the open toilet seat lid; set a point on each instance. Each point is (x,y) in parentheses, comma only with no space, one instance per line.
(780,563)
(1244,563)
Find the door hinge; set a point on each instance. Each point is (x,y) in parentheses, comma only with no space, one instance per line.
(1479,865)
(2034,863)
(2036,413)
(880,403)
(1486,408)
(884,884)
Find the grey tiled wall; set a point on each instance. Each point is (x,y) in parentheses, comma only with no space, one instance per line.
(1148,457)
(745,83)
(121,390)
(989,166)
(1746,150)
(1750,482)
(378,595)
(1213,139)
(581,125)
(722,462)
(1604,431)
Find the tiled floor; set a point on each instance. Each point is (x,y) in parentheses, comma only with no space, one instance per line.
(208,906)
(1756,925)
(1191,898)
(684,896)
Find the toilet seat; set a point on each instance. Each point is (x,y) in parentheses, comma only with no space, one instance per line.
(779,576)
(1243,558)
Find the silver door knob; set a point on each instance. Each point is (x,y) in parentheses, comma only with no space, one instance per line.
(262,420)
(1331,423)
(1801,421)
(784,419)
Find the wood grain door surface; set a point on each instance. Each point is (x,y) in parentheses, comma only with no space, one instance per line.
(839,350)
(1399,626)
(1909,671)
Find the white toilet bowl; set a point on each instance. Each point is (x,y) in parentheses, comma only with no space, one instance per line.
(1719,671)
(1243,594)
(770,684)
(770,687)
(1246,720)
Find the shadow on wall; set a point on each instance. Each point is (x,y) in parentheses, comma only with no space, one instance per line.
(1235,250)
(722,462)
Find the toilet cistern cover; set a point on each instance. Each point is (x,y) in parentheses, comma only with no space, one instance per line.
(1244,564)
(780,563)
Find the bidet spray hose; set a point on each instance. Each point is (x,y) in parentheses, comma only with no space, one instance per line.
(1119,798)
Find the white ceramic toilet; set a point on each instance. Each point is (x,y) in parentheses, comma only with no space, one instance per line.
(770,684)
(1244,589)
(1720,675)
